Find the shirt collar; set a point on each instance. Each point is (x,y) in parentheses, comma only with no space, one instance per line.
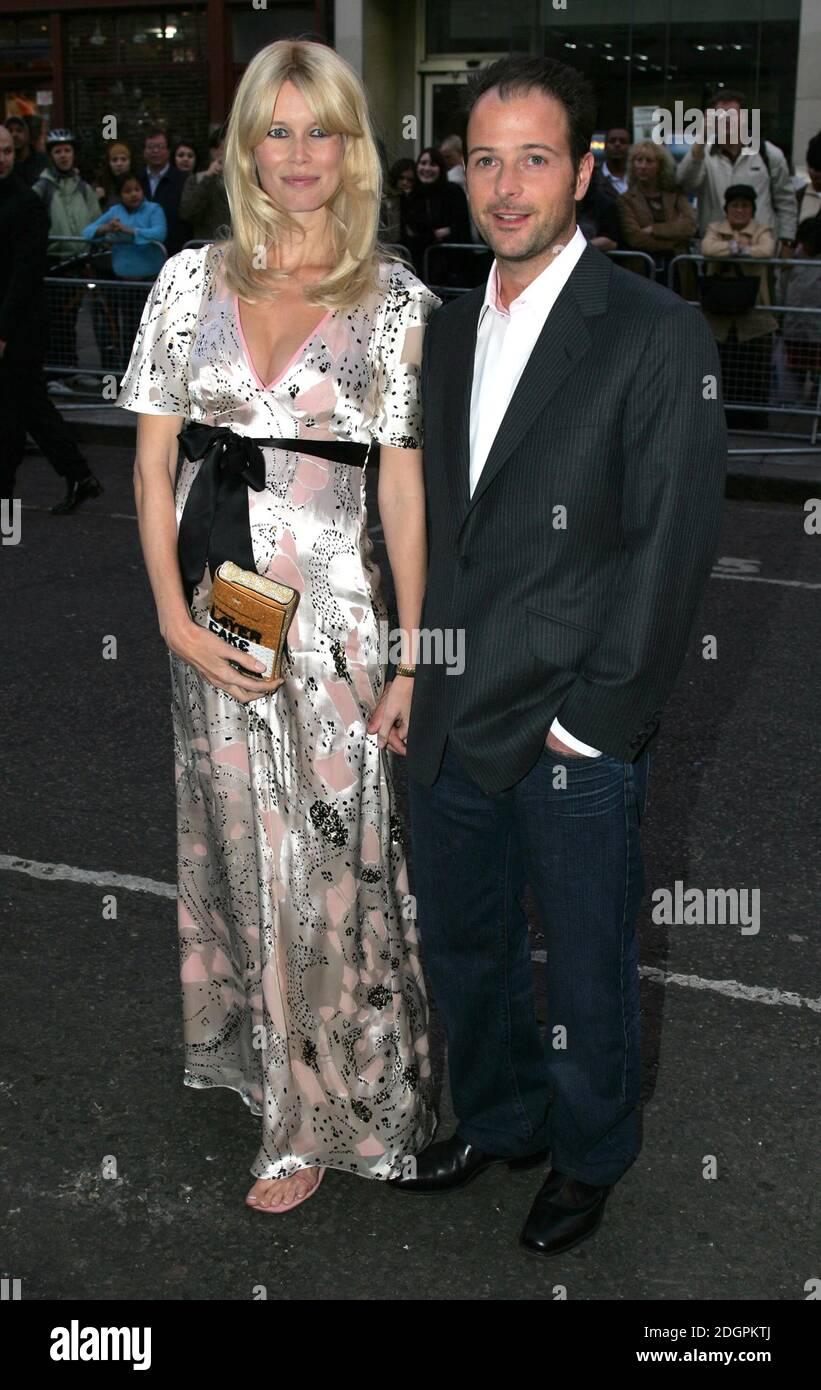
(538,293)
(745,149)
(608,173)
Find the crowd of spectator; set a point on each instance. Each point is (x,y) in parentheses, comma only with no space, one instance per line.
(737,206)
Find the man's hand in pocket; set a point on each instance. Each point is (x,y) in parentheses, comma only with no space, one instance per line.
(556,746)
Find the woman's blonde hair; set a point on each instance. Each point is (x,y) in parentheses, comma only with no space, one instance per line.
(667,164)
(337,98)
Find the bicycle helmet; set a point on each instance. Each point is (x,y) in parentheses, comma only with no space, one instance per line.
(60,136)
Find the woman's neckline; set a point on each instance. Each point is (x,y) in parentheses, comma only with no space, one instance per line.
(249,362)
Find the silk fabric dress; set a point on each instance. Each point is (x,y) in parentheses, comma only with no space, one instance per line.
(301,981)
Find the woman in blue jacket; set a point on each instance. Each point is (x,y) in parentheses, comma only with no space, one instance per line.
(134,227)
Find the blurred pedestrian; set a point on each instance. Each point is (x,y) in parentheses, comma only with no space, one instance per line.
(71,204)
(802,332)
(204,202)
(745,335)
(453,152)
(654,214)
(25,405)
(613,168)
(29,162)
(163,183)
(708,170)
(116,163)
(809,197)
(400,181)
(436,210)
(135,228)
(186,158)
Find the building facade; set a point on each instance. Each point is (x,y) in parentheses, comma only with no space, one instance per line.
(74,62)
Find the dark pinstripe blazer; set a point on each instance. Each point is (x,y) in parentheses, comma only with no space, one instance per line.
(610,420)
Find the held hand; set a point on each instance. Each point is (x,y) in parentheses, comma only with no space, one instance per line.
(207,653)
(391,715)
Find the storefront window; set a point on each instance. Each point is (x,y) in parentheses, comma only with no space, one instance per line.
(479,26)
(253,29)
(643,53)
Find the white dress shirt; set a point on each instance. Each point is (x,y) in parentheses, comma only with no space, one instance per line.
(620,183)
(153,179)
(505,339)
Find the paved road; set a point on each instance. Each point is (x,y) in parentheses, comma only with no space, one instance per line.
(92,1064)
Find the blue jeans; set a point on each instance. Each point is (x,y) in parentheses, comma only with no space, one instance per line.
(578,848)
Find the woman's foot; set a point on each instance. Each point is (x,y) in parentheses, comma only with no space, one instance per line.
(278,1194)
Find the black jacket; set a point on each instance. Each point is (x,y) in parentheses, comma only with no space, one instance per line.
(168,195)
(24,230)
(588,620)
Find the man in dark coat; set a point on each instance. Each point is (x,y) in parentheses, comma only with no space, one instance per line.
(25,405)
(163,183)
(574,459)
(28,162)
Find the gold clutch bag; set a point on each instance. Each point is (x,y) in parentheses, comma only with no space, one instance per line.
(252,614)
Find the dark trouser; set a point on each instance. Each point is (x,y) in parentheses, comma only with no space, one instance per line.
(578,848)
(26,407)
(64,303)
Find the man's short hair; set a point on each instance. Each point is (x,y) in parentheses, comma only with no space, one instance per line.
(809,235)
(565,84)
(814,152)
(729,94)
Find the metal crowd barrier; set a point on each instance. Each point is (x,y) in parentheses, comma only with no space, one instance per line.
(777,373)
(640,256)
(92,321)
(469,262)
(477,263)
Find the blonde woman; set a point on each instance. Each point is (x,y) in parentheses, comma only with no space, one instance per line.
(654,214)
(302,988)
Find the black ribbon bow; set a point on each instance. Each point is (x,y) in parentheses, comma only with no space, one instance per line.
(215,525)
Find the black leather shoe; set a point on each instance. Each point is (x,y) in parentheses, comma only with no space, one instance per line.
(77,493)
(565,1212)
(454,1162)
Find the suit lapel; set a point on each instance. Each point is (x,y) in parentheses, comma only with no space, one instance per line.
(459,386)
(563,340)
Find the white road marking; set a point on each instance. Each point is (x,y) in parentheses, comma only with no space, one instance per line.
(108,879)
(759,579)
(759,994)
(134,883)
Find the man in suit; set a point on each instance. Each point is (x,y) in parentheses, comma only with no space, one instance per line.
(164,183)
(25,405)
(574,463)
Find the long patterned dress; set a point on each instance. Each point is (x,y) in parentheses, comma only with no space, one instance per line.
(301,982)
